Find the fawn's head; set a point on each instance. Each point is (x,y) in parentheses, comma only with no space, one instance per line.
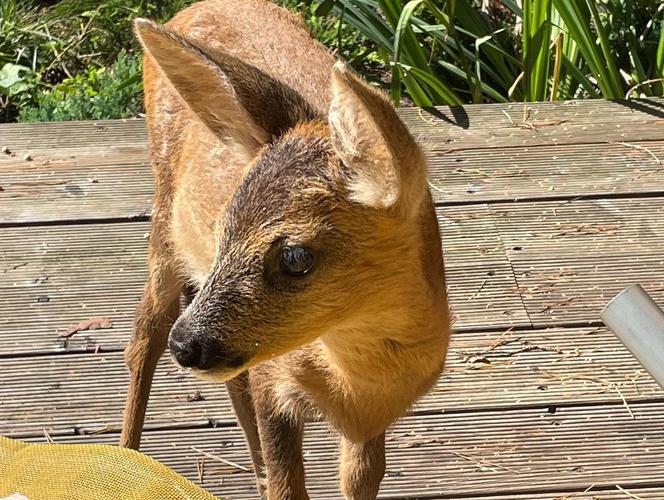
(324,230)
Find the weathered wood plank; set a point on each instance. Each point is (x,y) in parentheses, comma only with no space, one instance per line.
(33,138)
(527,451)
(473,126)
(62,275)
(51,277)
(117,182)
(54,276)
(537,124)
(85,393)
(576,228)
(478,273)
(541,172)
(575,291)
(537,367)
(507,264)
(546,368)
(88,170)
(72,184)
(76,170)
(571,258)
(615,492)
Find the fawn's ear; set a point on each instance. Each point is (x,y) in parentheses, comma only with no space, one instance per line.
(235,100)
(387,167)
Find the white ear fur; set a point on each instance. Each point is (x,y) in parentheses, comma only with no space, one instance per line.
(388,169)
(202,85)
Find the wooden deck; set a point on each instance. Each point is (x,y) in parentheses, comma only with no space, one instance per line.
(546,211)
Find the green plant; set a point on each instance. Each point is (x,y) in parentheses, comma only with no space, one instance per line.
(634,31)
(60,39)
(448,51)
(96,93)
(23,40)
(57,56)
(334,33)
(22,31)
(97,31)
(17,83)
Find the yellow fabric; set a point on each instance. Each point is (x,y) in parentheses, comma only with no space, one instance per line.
(87,472)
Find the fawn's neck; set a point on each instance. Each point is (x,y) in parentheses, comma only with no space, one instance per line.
(405,340)
(373,371)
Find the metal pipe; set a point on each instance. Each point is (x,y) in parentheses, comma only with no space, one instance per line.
(639,324)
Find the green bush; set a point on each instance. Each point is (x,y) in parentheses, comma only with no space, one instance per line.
(70,40)
(449,51)
(333,33)
(63,59)
(18,85)
(99,30)
(94,94)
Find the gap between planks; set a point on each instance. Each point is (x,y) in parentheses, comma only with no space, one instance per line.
(143,217)
(471,330)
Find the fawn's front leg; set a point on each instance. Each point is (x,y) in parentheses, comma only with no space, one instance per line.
(239,391)
(155,315)
(362,468)
(281,444)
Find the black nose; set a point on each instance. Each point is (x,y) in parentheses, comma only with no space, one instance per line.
(192,351)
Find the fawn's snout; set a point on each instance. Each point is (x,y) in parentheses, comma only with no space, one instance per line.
(196,350)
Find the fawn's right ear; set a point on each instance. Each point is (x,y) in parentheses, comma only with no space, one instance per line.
(388,169)
(235,100)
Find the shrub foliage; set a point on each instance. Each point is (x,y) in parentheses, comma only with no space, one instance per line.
(455,51)
(78,59)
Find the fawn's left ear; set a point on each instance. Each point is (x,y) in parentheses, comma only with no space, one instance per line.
(388,168)
(235,100)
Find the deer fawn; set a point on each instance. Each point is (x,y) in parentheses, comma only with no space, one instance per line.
(292,200)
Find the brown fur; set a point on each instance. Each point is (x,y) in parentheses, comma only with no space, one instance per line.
(255,146)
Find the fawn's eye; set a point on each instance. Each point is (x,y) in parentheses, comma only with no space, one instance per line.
(296,260)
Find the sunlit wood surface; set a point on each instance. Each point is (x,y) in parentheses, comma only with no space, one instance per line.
(546,210)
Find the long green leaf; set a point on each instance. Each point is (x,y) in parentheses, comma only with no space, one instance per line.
(580,77)
(536,48)
(576,15)
(403,25)
(639,73)
(502,71)
(447,19)
(511,5)
(443,91)
(324,8)
(413,53)
(367,21)
(609,58)
(659,62)
(490,91)
(472,60)
(469,21)
(417,93)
